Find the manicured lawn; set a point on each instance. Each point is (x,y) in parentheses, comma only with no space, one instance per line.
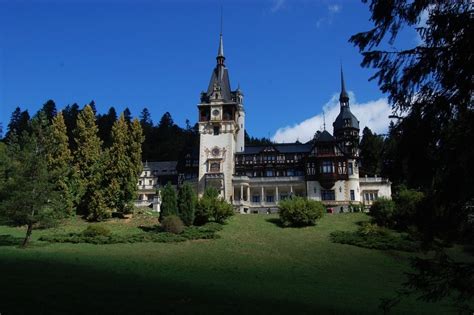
(255,267)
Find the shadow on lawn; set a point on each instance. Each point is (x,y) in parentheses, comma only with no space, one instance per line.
(276,222)
(89,289)
(8,240)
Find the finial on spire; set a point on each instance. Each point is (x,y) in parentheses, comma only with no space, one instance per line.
(344,97)
(220,52)
(324,121)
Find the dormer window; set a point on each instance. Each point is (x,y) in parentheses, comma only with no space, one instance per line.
(216,130)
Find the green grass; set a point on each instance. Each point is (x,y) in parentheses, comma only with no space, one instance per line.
(255,267)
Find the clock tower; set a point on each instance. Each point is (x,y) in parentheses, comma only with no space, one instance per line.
(221,130)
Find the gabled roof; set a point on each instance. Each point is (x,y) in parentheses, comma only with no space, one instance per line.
(323,136)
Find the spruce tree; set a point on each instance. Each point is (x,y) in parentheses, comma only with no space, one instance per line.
(89,163)
(59,161)
(119,166)
(168,202)
(186,204)
(27,188)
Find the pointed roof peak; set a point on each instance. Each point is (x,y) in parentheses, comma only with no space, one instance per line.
(343,96)
(220,51)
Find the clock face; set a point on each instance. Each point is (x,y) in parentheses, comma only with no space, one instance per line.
(215,112)
(215,151)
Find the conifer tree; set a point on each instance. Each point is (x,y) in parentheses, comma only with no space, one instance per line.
(186,204)
(89,164)
(59,161)
(168,202)
(119,166)
(27,189)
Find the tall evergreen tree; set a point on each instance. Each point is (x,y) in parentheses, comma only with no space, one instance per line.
(119,166)
(134,147)
(70,114)
(371,147)
(186,204)
(169,204)
(49,108)
(27,175)
(89,163)
(105,123)
(59,162)
(127,114)
(19,122)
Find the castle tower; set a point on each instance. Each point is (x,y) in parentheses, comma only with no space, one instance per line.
(221,130)
(346,132)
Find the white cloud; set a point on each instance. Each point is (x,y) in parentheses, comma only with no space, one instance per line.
(372,114)
(277,5)
(333,9)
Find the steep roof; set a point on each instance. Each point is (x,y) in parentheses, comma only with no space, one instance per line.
(220,77)
(323,136)
(161,168)
(344,114)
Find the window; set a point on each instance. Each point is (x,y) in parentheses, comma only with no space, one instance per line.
(327,167)
(352,194)
(216,130)
(283,196)
(139,182)
(270,199)
(290,172)
(150,182)
(255,198)
(215,167)
(351,168)
(310,169)
(328,194)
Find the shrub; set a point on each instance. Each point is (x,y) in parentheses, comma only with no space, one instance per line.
(298,211)
(382,211)
(407,203)
(374,237)
(211,207)
(172,224)
(96,230)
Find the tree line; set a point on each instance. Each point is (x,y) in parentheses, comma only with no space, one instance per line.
(42,179)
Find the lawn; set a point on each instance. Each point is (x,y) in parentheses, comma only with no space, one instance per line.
(255,267)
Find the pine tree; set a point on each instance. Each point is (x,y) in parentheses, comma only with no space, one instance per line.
(168,201)
(186,204)
(59,162)
(371,147)
(49,108)
(19,122)
(70,114)
(105,123)
(28,194)
(119,166)
(134,151)
(89,163)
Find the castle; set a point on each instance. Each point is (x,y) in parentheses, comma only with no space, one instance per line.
(255,178)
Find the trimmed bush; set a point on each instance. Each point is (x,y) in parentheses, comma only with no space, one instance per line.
(383,211)
(298,211)
(375,237)
(211,207)
(172,224)
(96,230)
(207,231)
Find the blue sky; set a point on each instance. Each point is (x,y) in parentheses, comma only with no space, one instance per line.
(159,54)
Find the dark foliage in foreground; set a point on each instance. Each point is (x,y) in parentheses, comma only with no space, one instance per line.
(208,231)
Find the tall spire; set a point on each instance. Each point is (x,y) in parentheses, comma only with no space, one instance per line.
(343,97)
(220,52)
